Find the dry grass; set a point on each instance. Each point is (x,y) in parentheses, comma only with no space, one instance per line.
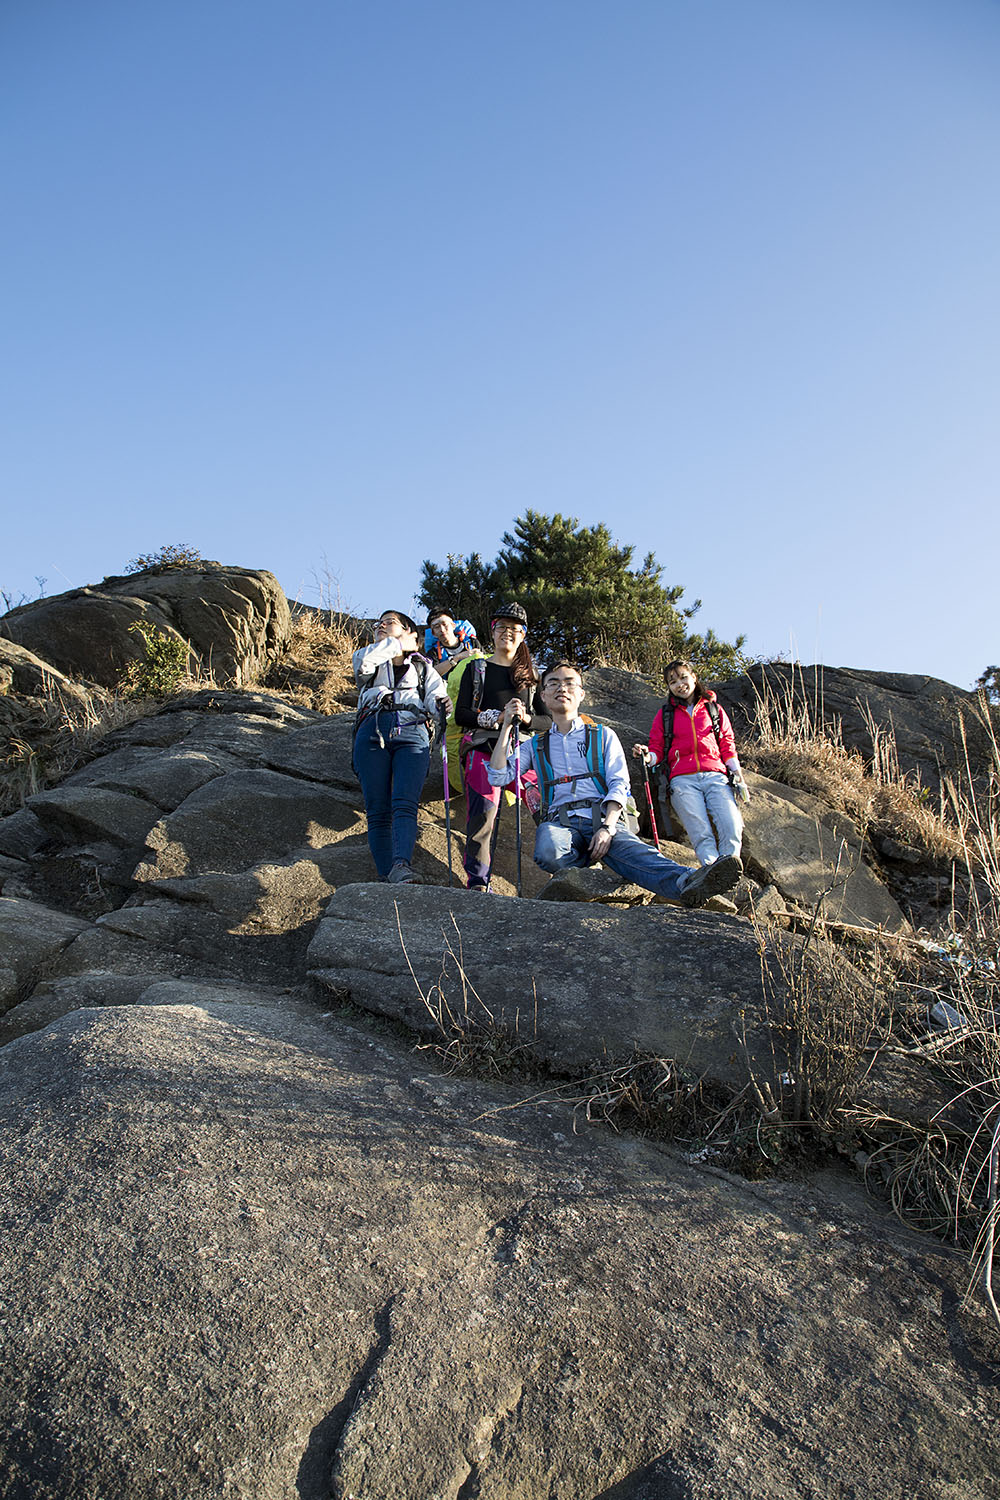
(315,669)
(53,736)
(943,1177)
(789,743)
(466,1036)
(821,1013)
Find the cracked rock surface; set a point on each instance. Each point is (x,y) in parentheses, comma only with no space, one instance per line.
(252,1244)
(251,1252)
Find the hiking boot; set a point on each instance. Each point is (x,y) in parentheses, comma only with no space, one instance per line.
(403,874)
(710,880)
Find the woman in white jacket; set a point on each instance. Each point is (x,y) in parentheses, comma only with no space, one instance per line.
(398,692)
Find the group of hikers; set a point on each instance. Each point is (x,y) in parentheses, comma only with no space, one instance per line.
(569,772)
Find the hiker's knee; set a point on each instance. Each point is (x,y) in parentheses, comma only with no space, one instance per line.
(553,847)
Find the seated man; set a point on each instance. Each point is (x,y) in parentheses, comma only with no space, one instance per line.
(584,784)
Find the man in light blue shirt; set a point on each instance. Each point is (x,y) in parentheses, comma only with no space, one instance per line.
(579,816)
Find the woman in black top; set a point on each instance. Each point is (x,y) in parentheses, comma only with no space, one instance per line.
(486,687)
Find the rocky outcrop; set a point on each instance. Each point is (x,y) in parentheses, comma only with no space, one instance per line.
(31,936)
(250,1254)
(814,857)
(920,713)
(235,620)
(574,985)
(26,675)
(254,1242)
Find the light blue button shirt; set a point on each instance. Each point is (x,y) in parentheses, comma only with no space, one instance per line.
(567,753)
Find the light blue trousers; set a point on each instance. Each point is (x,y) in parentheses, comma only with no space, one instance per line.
(701,799)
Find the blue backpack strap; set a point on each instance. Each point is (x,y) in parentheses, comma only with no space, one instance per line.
(594,750)
(543,767)
(594,754)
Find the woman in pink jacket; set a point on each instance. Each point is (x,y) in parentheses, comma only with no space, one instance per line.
(703,767)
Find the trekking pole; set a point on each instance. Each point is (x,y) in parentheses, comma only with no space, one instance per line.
(447,788)
(649,799)
(517,794)
(493,841)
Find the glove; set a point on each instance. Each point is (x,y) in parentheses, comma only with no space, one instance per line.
(740,789)
(489,718)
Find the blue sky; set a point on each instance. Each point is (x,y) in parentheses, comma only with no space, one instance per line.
(329,288)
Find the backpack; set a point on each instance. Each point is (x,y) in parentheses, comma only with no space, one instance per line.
(365,682)
(594,752)
(454,732)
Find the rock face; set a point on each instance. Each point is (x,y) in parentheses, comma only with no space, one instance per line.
(921,712)
(209,836)
(236,621)
(254,1244)
(814,857)
(25,674)
(30,937)
(252,1255)
(571,983)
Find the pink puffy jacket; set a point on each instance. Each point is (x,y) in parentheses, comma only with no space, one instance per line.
(694,747)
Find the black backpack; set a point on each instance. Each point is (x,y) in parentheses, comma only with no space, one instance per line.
(668,732)
(365,682)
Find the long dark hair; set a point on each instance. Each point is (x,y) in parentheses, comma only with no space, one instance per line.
(523,672)
(700,690)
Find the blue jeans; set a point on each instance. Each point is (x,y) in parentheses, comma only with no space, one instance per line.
(558,848)
(704,795)
(391,780)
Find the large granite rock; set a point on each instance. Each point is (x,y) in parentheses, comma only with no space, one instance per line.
(236,621)
(240,819)
(31,936)
(574,983)
(79,814)
(25,674)
(921,713)
(247,1255)
(814,857)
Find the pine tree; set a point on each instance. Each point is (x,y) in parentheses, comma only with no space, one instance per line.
(584,599)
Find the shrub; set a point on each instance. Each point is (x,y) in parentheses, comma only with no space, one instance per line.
(163,667)
(989,683)
(179,555)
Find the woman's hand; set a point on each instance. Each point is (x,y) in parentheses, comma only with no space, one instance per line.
(640,752)
(515,709)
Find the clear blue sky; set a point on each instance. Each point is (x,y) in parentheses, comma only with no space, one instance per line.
(321,287)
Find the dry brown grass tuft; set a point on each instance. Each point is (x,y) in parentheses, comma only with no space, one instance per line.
(466,1037)
(55,735)
(315,669)
(822,1013)
(788,743)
